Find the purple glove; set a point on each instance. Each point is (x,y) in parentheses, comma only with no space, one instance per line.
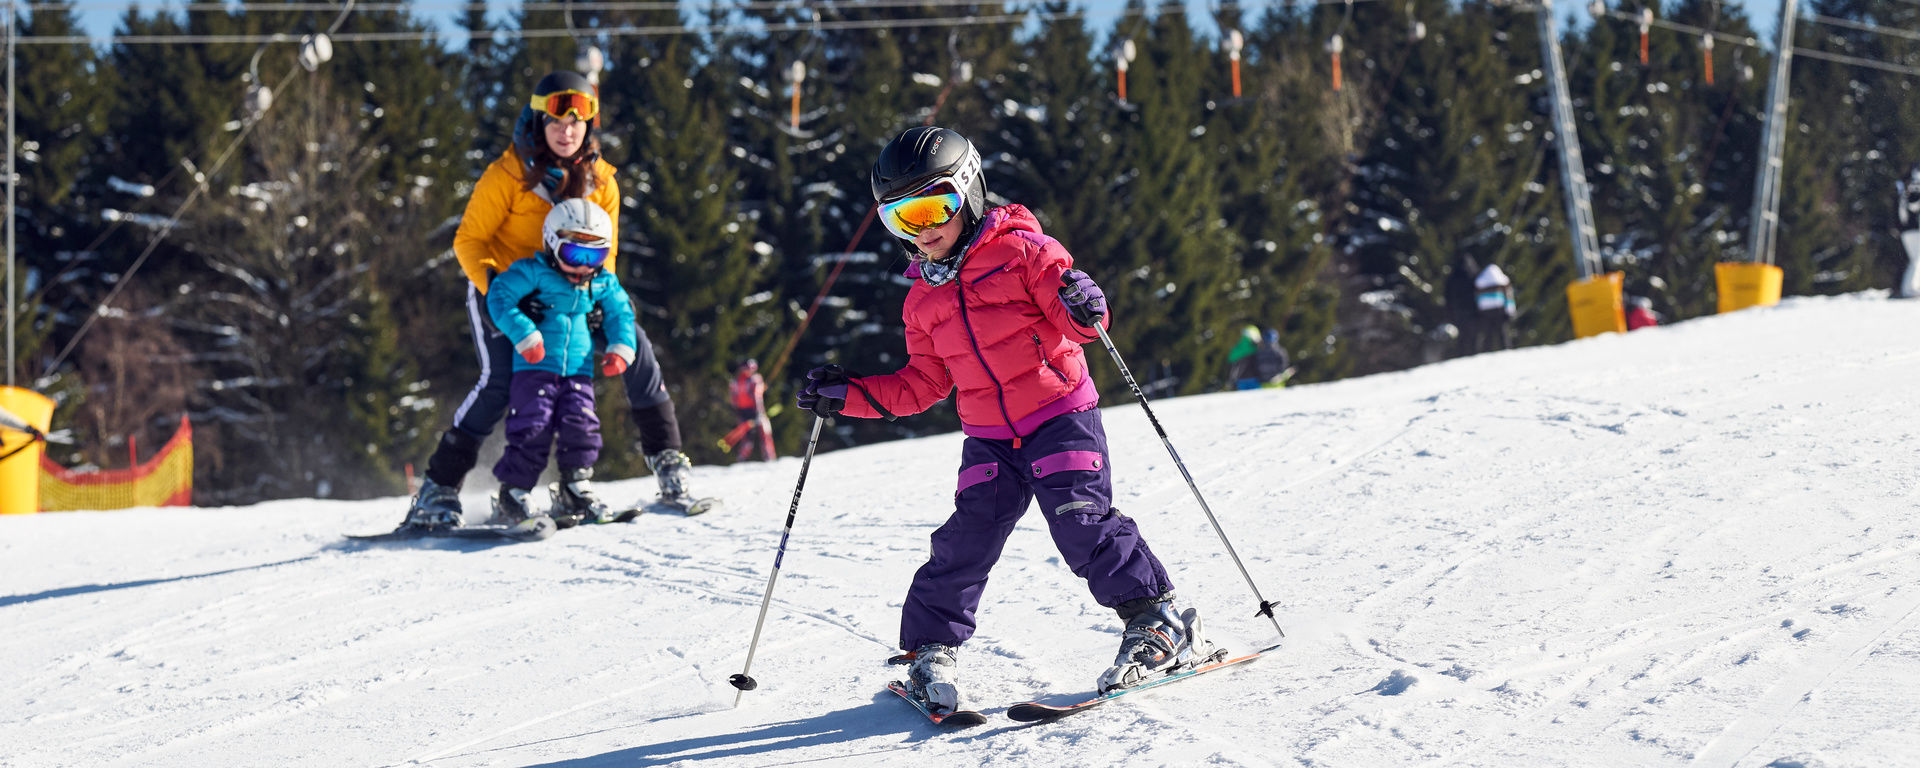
(1084,299)
(826,391)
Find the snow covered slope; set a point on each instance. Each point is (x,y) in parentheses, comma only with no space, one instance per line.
(1693,545)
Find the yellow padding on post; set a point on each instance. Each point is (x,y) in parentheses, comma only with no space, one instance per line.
(1596,306)
(1747,284)
(20,473)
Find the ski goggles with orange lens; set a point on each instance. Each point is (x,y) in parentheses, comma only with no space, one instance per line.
(934,206)
(557,104)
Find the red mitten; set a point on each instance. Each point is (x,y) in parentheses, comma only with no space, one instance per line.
(613,365)
(533,348)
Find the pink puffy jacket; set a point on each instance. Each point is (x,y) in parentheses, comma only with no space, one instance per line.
(998,332)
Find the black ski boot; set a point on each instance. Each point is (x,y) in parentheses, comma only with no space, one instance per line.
(435,508)
(512,509)
(574,501)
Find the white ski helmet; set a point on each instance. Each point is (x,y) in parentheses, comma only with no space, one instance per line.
(576,229)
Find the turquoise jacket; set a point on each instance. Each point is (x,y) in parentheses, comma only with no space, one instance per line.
(564,329)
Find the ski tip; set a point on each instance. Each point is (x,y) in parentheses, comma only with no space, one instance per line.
(1034,712)
(961,719)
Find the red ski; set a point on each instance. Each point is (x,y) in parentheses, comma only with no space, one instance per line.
(1032,712)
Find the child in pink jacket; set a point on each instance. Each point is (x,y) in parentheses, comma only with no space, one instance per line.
(998,313)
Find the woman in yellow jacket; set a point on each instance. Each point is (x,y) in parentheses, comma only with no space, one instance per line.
(555,156)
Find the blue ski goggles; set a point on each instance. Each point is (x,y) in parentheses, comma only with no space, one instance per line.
(582,255)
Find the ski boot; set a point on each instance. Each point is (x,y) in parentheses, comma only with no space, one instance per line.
(574,501)
(435,508)
(1159,640)
(671,468)
(512,510)
(933,675)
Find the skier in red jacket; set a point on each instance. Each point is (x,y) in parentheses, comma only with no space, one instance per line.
(1640,313)
(748,393)
(988,315)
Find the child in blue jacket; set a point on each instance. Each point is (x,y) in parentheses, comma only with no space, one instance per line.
(542,306)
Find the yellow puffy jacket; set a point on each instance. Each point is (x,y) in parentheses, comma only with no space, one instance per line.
(504,223)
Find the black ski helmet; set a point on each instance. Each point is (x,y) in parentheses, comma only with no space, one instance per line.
(527,135)
(923,155)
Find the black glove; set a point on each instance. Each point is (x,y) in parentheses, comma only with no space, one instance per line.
(533,308)
(826,391)
(596,320)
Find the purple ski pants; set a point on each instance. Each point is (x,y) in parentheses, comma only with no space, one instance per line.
(1063,464)
(541,406)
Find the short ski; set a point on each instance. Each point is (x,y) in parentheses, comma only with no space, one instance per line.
(1031,712)
(623,516)
(541,530)
(955,719)
(680,506)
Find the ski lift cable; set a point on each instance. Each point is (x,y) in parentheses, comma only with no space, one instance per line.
(250,122)
(1841,58)
(1812,53)
(628,31)
(463,7)
(1865,27)
(1745,40)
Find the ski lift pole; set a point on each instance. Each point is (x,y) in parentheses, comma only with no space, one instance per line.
(1573,173)
(1765,218)
(1266,608)
(744,681)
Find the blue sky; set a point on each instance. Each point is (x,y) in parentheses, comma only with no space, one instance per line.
(99,17)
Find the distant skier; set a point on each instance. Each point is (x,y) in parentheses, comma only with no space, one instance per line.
(1640,313)
(1463,307)
(1240,372)
(1908,206)
(1493,295)
(552,390)
(1257,360)
(1270,361)
(748,393)
(987,314)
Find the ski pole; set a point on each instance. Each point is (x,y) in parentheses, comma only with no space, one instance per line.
(744,681)
(1266,608)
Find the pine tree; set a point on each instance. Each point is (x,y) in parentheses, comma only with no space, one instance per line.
(60,125)
(1164,243)
(1454,170)
(1852,127)
(1271,161)
(283,311)
(687,251)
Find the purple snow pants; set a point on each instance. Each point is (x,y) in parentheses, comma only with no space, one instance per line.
(1063,464)
(540,404)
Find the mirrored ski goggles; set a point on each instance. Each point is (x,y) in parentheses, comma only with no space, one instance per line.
(934,206)
(557,104)
(583,255)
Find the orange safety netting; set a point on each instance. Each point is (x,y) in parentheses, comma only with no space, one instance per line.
(165,480)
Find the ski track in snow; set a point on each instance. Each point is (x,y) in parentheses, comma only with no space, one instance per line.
(1692,546)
